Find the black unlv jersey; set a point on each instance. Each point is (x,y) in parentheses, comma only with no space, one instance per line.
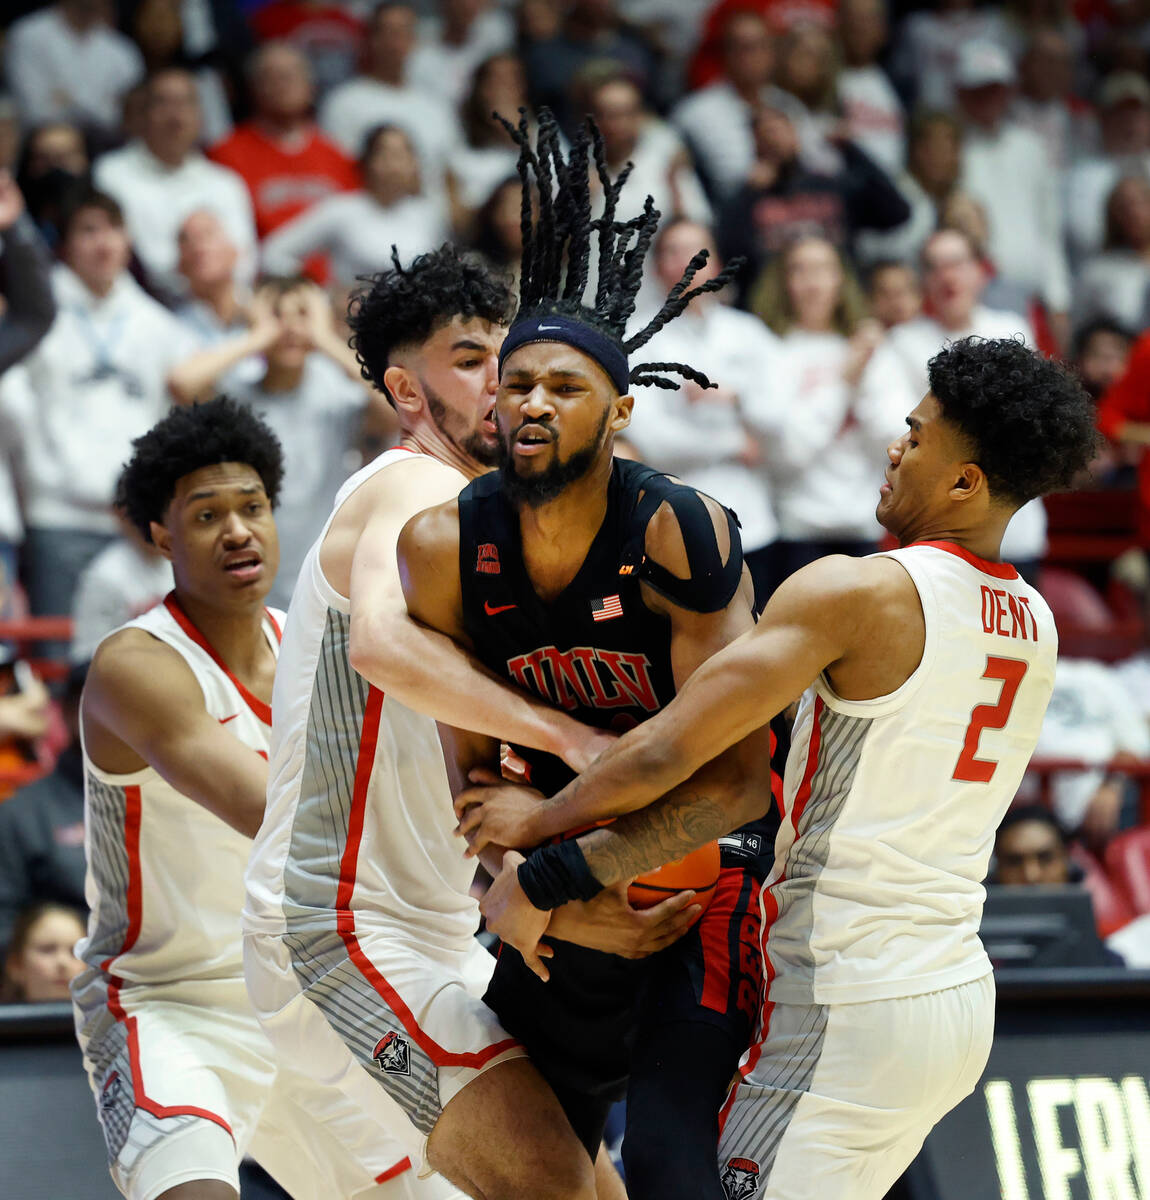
(597,651)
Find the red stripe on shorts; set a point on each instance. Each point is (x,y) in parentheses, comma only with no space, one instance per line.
(133,815)
(771,909)
(345,916)
(404,1164)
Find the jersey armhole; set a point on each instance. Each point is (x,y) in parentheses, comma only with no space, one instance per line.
(884,706)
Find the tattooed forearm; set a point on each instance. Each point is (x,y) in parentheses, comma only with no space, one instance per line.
(680,822)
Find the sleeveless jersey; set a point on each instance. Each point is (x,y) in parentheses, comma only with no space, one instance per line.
(597,651)
(891,804)
(165,876)
(358,827)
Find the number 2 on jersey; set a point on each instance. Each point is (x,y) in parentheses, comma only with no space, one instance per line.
(1011,671)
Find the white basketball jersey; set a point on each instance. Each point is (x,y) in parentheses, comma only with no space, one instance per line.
(165,876)
(358,828)
(891,804)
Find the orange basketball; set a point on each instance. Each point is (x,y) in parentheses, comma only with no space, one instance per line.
(698,871)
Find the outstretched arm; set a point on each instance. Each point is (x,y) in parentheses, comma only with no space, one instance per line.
(418,654)
(142,707)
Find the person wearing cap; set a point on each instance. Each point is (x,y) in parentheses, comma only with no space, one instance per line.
(1005,167)
(1124,119)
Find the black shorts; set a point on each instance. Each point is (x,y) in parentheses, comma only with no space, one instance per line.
(714,973)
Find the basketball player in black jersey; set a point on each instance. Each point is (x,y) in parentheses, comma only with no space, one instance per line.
(601,585)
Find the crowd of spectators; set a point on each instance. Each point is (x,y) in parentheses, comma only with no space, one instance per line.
(190,189)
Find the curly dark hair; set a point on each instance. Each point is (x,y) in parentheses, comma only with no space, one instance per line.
(403,306)
(201,435)
(1029,421)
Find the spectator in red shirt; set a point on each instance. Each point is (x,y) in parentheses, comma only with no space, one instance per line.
(282,156)
(1124,416)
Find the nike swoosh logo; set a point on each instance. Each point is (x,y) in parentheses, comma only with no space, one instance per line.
(549,328)
(498,608)
(225,720)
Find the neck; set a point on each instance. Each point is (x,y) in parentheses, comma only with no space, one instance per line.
(221,299)
(556,536)
(956,322)
(235,633)
(747,90)
(282,126)
(281,379)
(388,72)
(455,32)
(80,21)
(984,540)
(425,438)
(817,324)
(98,287)
(168,156)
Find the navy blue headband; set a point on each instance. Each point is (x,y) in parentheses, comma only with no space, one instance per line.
(571,332)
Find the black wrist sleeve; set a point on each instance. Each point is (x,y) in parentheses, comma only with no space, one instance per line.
(552,875)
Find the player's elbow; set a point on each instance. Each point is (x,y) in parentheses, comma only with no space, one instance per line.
(377,650)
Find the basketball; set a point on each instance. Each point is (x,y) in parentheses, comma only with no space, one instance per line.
(698,871)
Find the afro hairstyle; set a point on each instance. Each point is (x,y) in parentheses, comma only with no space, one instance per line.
(200,435)
(1029,422)
(404,306)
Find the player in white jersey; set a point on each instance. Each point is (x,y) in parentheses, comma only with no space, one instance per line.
(175,725)
(924,675)
(359,948)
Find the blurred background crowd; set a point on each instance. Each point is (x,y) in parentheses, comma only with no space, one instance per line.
(189,190)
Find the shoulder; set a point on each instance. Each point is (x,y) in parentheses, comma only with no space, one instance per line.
(409,482)
(42,26)
(851,587)
(431,537)
(130,665)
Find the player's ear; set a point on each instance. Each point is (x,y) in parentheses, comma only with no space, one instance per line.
(401,383)
(621,412)
(161,538)
(969,483)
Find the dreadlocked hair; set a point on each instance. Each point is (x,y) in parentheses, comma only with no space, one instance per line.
(557,227)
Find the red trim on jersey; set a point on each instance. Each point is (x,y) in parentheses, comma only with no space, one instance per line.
(262,711)
(998,569)
(714,935)
(275,626)
(771,912)
(133,813)
(345,917)
(404,1164)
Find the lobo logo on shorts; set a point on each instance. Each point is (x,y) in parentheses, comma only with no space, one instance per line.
(391,1052)
(740,1178)
(111,1091)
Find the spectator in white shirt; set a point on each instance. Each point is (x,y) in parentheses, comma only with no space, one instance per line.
(161,178)
(870,106)
(214,309)
(384,95)
(716,120)
(715,439)
(453,44)
(660,165)
(488,156)
(1116,283)
(934,162)
(827,459)
(1124,121)
(68,62)
(358,229)
(894,292)
(1092,717)
(310,392)
(1006,169)
(1046,103)
(93,384)
(954,278)
(929,43)
(128,577)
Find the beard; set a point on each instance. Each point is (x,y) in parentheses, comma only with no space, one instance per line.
(476,444)
(536,490)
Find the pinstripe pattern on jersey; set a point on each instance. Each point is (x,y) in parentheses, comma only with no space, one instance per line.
(109,866)
(327,783)
(358,1014)
(841,740)
(765,1104)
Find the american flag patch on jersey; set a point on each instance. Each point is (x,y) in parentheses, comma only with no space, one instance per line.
(606,609)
